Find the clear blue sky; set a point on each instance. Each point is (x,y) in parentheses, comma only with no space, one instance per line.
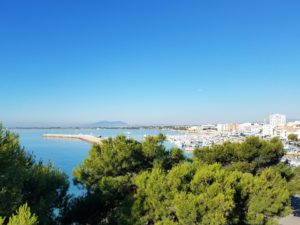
(148,61)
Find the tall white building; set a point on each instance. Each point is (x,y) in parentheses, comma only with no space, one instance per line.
(277,120)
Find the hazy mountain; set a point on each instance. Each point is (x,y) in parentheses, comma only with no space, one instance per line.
(292,120)
(105,123)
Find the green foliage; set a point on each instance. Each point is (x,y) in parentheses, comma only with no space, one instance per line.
(175,157)
(15,165)
(23,217)
(269,198)
(285,170)
(121,158)
(22,180)
(250,156)
(154,151)
(294,183)
(192,193)
(112,158)
(107,175)
(293,137)
(1,221)
(130,182)
(90,209)
(46,192)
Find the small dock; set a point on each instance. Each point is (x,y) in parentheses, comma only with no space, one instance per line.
(84,137)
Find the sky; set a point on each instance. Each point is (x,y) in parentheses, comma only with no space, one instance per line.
(148,61)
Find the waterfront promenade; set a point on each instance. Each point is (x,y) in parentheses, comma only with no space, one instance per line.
(84,137)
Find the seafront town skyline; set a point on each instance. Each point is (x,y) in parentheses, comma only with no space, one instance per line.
(211,134)
(149,112)
(121,123)
(277,126)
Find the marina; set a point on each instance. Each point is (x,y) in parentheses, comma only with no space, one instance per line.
(190,141)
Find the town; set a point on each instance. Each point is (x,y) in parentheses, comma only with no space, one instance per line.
(211,134)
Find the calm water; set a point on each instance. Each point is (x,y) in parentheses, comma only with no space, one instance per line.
(67,154)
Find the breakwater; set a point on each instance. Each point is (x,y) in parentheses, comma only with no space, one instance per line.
(84,137)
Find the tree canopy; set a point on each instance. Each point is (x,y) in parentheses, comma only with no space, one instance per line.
(22,180)
(142,183)
(293,137)
(250,156)
(22,217)
(195,193)
(108,172)
(131,182)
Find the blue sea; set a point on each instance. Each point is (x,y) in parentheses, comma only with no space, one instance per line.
(66,154)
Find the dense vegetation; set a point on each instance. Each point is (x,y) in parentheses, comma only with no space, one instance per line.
(108,174)
(250,156)
(293,137)
(143,183)
(22,180)
(22,217)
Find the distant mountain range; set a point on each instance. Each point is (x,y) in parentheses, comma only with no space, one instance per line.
(105,123)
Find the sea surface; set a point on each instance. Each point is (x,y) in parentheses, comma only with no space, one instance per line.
(66,154)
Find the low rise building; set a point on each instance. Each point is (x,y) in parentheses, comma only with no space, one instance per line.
(280,132)
(194,128)
(227,127)
(267,130)
(250,128)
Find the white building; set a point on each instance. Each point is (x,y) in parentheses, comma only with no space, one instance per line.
(250,128)
(267,130)
(227,127)
(245,127)
(194,128)
(281,133)
(222,127)
(277,120)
